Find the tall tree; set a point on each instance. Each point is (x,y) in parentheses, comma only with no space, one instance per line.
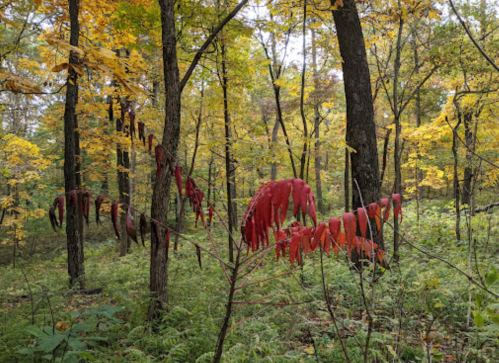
(171,132)
(73,232)
(361,130)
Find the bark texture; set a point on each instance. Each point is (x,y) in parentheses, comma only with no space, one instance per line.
(161,194)
(73,233)
(361,130)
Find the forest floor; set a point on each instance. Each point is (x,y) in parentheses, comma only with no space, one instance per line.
(422,308)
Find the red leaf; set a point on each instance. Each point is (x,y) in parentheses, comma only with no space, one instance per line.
(385,203)
(306,239)
(159,159)
(294,249)
(350,226)
(98,203)
(320,235)
(286,190)
(277,190)
(59,202)
(397,206)
(198,251)
(130,228)
(178,179)
(114,217)
(334,228)
(53,218)
(304,198)
(210,213)
(85,205)
(297,187)
(362,217)
(311,207)
(149,141)
(143,227)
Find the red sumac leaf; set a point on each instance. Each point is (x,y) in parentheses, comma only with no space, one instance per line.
(210,213)
(178,179)
(294,249)
(335,228)
(311,207)
(362,217)
(159,159)
(130,228)
(286,190)
(397,206)
(98,203)
(385,202)
(350,226)
(149,141)
(297,187)
(304,198)
(59,203)
(143,228)
(53,218)
(198,251)
(114,217)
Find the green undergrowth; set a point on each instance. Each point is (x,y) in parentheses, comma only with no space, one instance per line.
(419,306)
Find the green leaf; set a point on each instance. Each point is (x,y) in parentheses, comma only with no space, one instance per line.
(478,300)
(491,277)
(77,344)
(51,342)
(88,356)
(26,351)
(478,319)
(36,331)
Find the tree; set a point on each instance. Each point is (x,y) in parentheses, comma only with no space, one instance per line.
(161,194)
(74,240)
(361,130)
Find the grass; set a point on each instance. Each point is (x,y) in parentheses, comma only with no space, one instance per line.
(420,307)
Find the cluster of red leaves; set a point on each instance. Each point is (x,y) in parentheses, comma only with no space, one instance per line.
(268,209)
(195,196)
(125,107)
(59,203)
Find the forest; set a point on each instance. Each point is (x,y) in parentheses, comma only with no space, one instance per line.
(249,181)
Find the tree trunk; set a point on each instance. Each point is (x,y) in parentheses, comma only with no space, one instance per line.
(161,194)
(74,245)
(456,183)
(361,130)
(317,134)
(230,171)
(273,167)
(302,95)
(123,163)
(397,187)
(468,172)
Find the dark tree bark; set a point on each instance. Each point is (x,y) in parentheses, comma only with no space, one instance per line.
(171,132)
(230,170)
(361,130)
(468,172)
(302,95)
(123,162)
(74,243)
